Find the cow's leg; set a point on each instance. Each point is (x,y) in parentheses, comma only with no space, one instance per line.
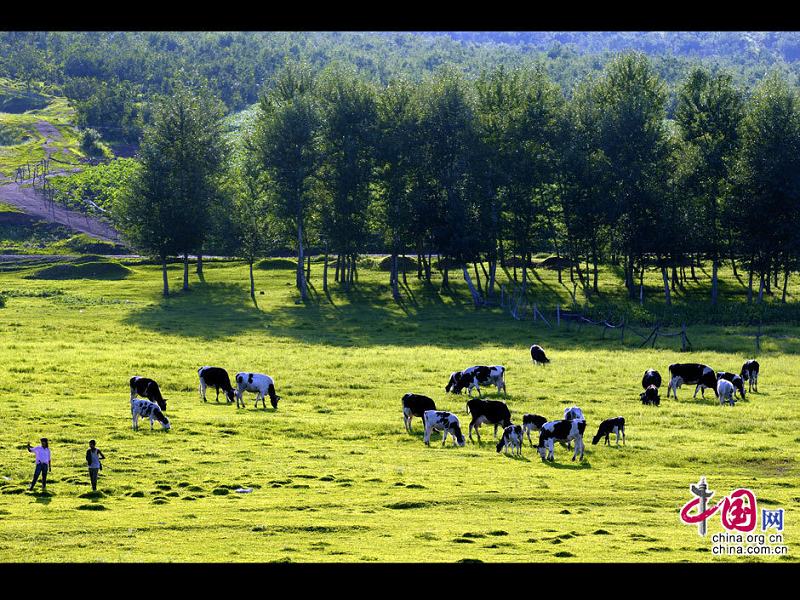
(203,390)
(151,423)
(217,387)
(494,435)
(478,432)
(528,431)
(135,422)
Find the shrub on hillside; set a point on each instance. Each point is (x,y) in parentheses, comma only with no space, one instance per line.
(83,244)
(410,264)
(269,264)
(89,270)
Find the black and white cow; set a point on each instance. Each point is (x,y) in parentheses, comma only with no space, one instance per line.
(148,410)
(609,426)
(691,373)
(538,355)
(651,377)
(573,412)
(475,377)
(725,392)
(446,422)
(147,388)
(218,378)
(750,374)
(415,405)
(493,412)
(532,422)
(512,438)
(736,380)
(650,396)
(563,431)
(258,383)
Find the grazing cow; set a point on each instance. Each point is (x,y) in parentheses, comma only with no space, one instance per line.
(532,422)
(148,410)
(446,422)
(538,356)
(736,380)
(725,392)
(609,426)
(691,373)
(216,377)
(493,412)
(564,432)
(512,438)
(750,374)
(650,396)
(474,377)
(259,384)
(651,377)
(415,405)
(147,388)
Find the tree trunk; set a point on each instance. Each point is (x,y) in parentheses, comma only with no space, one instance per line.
(393,278)
(714,281)
(308,268)
(641,284)
(419,265)
(664,276)
(164,273)
(405,262)
(200,265)
(252,282)
(301,276)
(595,269)
(185,272)
(477,277)
(325,271)
(476,297)
(785,283)
(492,274)
(761,288)
(675,281)
(750,285)
(733,265)
(558,265)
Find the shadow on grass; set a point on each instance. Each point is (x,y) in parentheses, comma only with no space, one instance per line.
(576,466)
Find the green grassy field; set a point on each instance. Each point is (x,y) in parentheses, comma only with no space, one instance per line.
(334,475)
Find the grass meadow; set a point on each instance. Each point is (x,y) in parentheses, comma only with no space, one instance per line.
(335,477)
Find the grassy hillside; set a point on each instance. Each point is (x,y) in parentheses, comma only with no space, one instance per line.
(334,475)
(27,121)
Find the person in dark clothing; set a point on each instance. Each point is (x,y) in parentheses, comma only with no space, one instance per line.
(93,456)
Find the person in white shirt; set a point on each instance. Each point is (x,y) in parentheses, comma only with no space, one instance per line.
(93,456)
(42,463)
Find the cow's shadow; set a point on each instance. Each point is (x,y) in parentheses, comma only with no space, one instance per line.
(570,466)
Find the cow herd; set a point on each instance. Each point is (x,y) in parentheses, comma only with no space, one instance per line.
(147,402)
(571,428)
(152,404)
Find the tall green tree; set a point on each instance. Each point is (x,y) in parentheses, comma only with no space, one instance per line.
(347,142)
(708,114)
(287,143)
(765,198)
(166,208)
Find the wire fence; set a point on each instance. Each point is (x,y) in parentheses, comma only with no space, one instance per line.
(519,306)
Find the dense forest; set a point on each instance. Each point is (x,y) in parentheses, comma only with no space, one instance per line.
(111,77)
(482,172)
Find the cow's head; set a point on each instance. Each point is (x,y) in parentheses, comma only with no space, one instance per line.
(231,395)
(162,418)
(455,431)
(597,437)
(274,401)
(453,384)
(738,383)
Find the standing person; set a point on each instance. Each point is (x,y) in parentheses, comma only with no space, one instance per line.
(93,456)
(43,464)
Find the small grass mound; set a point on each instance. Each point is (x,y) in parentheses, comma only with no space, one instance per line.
(83,244)
(91,507)
(87,270)
(385,264)
(270,264)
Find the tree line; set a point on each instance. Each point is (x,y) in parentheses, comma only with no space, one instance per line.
(112,77)
(482,173)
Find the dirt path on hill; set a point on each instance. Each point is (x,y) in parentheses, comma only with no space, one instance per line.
(34,203)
